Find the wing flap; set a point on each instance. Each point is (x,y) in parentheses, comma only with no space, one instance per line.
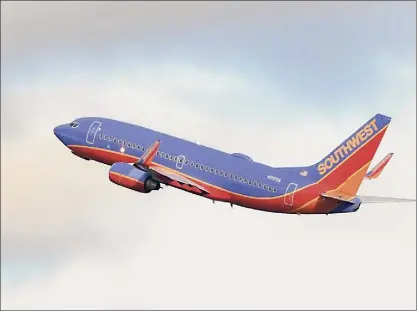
(157,171)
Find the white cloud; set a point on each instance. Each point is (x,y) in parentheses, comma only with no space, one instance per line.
(38,28)
(118,249)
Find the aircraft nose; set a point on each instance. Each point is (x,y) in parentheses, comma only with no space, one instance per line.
(59,132)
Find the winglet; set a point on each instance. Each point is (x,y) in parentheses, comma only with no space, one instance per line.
(148,156)
(377,169)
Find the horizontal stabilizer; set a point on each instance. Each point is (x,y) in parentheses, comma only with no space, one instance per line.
(339,196)
(374,199)
(376,171)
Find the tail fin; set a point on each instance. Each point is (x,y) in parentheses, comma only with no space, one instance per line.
(344,169)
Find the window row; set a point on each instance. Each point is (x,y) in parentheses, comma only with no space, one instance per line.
(193,164)
(121,142)
(224,174)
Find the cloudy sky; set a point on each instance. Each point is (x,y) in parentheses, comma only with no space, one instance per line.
(282,82)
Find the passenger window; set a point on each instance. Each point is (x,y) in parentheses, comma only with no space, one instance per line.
(192,163)
(274,189)
(216,171)
(240,178)
(133,145)
(175,159)
(231,176)
(181,160)
(245,180)
(207,168)
(196,165)
(105,136)
(221,173)
(186,162)
(119,141)
(235,177)
(157,153)
(109,138)
(129,144)
(142,148)
(226,174)
(202,167)
(166,156)
(250,182)
(264,186)
(211,170)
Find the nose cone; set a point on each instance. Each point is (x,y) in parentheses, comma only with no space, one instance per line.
(60,133)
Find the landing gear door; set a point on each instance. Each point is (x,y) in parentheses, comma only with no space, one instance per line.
(91,135)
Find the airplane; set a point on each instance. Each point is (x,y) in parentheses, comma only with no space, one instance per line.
(143,159)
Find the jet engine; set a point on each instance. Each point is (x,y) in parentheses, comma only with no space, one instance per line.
(128,176)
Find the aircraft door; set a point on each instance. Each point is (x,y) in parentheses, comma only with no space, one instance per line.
(180,162)
(289,194)
(91,135)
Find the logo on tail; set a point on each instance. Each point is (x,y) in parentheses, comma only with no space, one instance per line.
(348,147)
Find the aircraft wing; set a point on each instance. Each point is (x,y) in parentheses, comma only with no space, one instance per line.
(374,199)
(159,173)
(377,169)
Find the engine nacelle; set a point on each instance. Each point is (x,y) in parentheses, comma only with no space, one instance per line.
(128,176)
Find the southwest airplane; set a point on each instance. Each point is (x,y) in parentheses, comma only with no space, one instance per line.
(142,159)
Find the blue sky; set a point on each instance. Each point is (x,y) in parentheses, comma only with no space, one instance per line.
(283,82)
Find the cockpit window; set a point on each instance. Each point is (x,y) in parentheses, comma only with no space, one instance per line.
(74,124)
